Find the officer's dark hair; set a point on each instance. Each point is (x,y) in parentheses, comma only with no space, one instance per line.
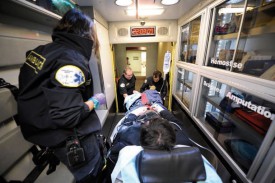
(158,134)
(157,74)
(76,22)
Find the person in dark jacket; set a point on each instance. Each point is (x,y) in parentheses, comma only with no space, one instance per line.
(56,101)
(155,82)
(126,86)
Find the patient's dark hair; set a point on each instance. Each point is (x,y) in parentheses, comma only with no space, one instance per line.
(158,134)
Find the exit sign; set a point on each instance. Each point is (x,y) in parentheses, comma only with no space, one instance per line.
(143,31)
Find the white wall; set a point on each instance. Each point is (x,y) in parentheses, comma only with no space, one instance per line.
(15,41)
(106,63)
(135,60)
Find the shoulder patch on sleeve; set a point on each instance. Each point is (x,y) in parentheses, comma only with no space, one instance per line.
(70,76)
(122,85)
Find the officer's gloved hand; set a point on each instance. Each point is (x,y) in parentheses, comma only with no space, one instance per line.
(139,111)
(98,99)
(156,107)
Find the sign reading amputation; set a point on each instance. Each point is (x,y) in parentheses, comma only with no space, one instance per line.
(248,104)
(143,31)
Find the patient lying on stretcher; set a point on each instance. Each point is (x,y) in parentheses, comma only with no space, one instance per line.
(129,136)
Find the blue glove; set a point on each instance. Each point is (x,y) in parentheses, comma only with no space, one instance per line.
(98,99)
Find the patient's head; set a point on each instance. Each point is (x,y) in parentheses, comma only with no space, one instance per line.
(158,134)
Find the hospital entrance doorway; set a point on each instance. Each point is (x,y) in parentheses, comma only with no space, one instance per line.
(136,59)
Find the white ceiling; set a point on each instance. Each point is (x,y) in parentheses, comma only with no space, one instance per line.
(111,12)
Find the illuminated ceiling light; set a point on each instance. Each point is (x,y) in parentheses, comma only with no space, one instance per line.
(235,1)
(124,2)
(233,10)
(145,12)
(169,2)
(230,10)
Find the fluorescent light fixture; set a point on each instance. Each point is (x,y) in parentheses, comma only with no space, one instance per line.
(233,10)
(235,1)
(169,2)
(145,12)
(230,10)
(124,2)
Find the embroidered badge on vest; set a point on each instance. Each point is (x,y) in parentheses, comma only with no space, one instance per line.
(35,61)
(70,76)
(122,85)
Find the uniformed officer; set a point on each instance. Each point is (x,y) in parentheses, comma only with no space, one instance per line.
(155,82)
(126,86)
(56,101)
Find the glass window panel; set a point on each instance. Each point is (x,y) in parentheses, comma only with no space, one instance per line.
(249,51)
(257,41)
(184,42)
(184,86)
(227,19)
(189,41)
(179,84)
(238,120)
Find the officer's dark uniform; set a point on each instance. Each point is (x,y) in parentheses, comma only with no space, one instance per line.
(124,86)
(54,83)
(158,86)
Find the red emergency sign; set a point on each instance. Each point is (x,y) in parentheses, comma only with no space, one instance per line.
(143,31)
